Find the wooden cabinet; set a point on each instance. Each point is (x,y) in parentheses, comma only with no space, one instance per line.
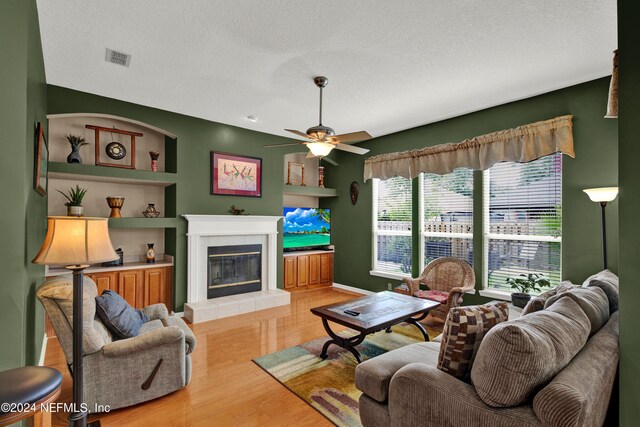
(154,286)
(130,287)
(308,270)
(105,281)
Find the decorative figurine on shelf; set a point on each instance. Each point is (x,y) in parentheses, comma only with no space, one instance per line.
(151,254)
(151,211)
(236,211)
(321,176)
(154,160)
(76,142)
(74,203)
(354,189)
(115,203)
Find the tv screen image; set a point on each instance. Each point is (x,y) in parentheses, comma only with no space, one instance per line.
(306,228)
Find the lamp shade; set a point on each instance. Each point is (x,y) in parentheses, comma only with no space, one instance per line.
(320,148)
(603,194)
(76,241)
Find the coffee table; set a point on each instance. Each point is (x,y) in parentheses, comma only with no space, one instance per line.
(376,312)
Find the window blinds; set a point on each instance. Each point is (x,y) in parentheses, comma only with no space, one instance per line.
(523,220)
(392,226)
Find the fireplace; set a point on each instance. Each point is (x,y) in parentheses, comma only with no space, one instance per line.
(233,270)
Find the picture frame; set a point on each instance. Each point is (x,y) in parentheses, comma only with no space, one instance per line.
(236,175)
(295,174)
(41,162)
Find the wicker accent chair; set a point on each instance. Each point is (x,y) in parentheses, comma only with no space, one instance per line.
(447,279)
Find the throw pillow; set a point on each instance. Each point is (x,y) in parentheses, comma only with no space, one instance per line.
(537,303)
(592,301)
(609,283)
(463,331)
(520,356)
(122,320)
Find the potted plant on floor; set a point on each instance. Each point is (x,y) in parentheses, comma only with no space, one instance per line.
(74,204)
(525,283)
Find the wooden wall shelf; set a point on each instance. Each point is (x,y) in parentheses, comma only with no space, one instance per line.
(143,222)
(61,170)
(296,190)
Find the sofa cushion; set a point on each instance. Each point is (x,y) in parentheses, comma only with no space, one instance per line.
(537,303)
(463,331)
(122,320)
(518,357)
(373,376)
(433,295)
(609,283)
(592,301)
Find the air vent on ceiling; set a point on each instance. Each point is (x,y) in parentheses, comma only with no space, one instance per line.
(119,58)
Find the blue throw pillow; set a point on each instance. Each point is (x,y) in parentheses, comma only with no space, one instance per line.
(122,320)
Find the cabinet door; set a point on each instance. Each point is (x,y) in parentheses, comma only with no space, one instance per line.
(314,269)
(303,270)
(290,276)
(105,281)
(130,287)
(154,286)
(326,268)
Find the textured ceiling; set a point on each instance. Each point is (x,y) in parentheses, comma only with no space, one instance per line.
(391,65)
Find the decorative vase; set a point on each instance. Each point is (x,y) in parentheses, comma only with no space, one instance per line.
(520,299)
(321,176)
(75,210)
(151,254)
(154,160)
(115,203)
(151,211)
(74,156)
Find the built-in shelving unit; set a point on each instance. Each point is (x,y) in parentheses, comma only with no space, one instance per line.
(58,170)
(143,222)
(298,190)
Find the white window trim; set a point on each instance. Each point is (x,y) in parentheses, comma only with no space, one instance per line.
(388,275)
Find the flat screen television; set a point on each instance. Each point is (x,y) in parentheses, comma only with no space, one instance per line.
(306,228)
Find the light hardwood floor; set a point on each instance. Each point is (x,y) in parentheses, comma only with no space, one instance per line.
(227,388)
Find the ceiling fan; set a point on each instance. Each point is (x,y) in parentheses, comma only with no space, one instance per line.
(322,139)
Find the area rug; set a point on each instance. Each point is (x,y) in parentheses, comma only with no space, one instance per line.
(329,385)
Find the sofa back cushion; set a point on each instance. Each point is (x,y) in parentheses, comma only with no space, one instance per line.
(463,332)
(609,283)
(537,303)
(592,301)
(518,357)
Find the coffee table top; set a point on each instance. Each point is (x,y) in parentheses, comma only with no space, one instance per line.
(376,311)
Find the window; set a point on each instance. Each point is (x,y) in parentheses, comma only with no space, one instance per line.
(392,227)
(446,215)
(523,220)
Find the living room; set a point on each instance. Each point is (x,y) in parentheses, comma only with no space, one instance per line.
(206,88)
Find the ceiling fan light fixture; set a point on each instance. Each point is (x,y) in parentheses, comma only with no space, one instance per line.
(320,148)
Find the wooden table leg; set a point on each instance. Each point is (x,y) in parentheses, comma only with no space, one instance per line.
(346,343)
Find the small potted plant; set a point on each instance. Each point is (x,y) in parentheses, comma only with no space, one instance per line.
(525,283)
(74,204)
(76,142)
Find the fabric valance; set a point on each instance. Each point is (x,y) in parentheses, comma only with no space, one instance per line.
(522,144)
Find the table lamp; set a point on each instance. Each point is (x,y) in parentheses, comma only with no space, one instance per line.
(76,242)
(603,195)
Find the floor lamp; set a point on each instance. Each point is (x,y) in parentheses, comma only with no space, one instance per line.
(76,242)
(603,195)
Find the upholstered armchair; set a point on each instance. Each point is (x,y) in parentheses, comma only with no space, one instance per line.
(123,372)
(446,279)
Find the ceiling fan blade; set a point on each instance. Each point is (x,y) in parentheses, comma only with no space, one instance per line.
(330,161)
(284,145)
(297,132)
(352,137)
(351,149)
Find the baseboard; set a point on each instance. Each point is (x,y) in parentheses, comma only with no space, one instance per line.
(43,350)
(339,286)
(179,314)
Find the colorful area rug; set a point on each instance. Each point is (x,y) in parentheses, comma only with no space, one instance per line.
(329,385)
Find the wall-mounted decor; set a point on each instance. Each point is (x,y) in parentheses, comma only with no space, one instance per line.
(295,174)
(236,175)
(354,190)
(75,142)
(116,151)
(41,166)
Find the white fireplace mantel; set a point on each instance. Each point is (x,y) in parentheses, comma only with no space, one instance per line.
(220,230)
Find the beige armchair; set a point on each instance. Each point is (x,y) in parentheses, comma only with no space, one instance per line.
(124,372)
(446,279)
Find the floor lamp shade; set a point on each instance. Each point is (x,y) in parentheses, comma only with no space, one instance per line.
(602,194)
(76,241)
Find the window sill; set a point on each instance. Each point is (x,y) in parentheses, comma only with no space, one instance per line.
(388,275)
(494,293)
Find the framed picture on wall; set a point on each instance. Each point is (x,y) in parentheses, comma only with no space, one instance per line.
(41,165)
(235,175)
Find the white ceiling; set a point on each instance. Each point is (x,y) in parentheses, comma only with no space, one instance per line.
(392,65)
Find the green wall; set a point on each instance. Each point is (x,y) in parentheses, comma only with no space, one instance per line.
(629,173)
(23,217)
(595,165)
(196,139)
